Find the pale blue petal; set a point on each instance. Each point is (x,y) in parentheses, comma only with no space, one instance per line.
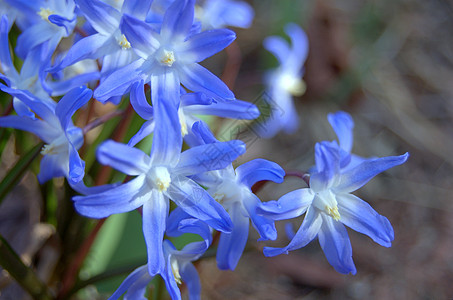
(360,216)
(90,47)
(41,129)
(5,54)
(198,79)
(67,24)
(137,8)
(146,129)
(342,124)
(103,17)
(290,205)
(34,104)
(142,37)
(193,99)
(155,212)
(265,226)
(170,282)
(310,227)
(195,201)
(135,282)
(335,243)
(62,87)
(33,36)
(357,177)
(139,102)
(277,46)
(123,158)
(124,198)
(327,158)
(229,13)
(231,245)
(259,169)
(178,20)
(205,44)
(189,275)
(70,103)
(120,81)
(299,41)
(52,166)
(235,109)
(167,140)
(76,165)
(209,157)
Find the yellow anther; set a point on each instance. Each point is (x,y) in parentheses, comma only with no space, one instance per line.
(44,13)
(333,212)
(175,271)
(123,42)
(167,58)
(182,122)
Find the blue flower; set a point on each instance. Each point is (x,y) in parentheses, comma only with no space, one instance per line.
(178,267)
(47,22)
(160,177)
(232,188)
(55,128)
(222,13)
(329,204)
(284,82)
(108,43)
(169,58)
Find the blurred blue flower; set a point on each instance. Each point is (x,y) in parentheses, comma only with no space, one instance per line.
(284,82)
(328,203)
(222,13)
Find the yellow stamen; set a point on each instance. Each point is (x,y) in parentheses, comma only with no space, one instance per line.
(124,43)
(333,212)
(168,58)
(44,13)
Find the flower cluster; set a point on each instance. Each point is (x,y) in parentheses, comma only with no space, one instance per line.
(149,53)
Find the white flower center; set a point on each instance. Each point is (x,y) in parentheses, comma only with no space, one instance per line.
(325,201)
(295,86)
(175,271)
(182,121)
(227,191)
(166,57)
(44,13)
(59,145)
(123,42)
(159,177)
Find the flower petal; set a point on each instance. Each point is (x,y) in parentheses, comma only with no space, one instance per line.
(38,127)
(137,8)
(155,213)
(335,243)
(307,232)
(277,46)
(124,158)
(139,102)
(360,216)
(195,201)
(142,37)
(198,79)
(200,46)
(290,205)
(209,157)
(70,103)
(231,245)
(103,17)
(52,166)
(119,82)
(265,226)
(146,129)
(123,198)
(178,20)
(235,109)
(259,169)
(189,275)
(357,177)
(342,124)
(5,54)
(327,157)
(135,283)
(167,140)
(76,165)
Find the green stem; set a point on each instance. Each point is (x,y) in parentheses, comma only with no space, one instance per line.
(24,275)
